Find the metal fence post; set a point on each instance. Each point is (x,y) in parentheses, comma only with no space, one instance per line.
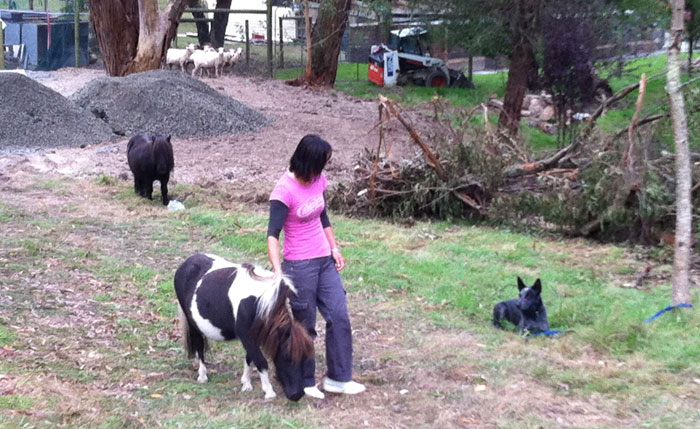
(247,44)
(281,45)
(76,31)
(269,38)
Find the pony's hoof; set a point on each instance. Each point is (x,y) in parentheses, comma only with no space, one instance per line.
(272,395)
(246,387)
(202,379)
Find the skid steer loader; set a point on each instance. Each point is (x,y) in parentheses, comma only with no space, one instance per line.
(407,60)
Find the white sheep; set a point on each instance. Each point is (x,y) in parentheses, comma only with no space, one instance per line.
(206,59)
(231,57)
(198,53)
(179,56)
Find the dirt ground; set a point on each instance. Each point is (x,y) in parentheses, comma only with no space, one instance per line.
(420,374)
(246,164)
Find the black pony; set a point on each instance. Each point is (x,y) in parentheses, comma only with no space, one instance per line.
(222,301)
(150,158)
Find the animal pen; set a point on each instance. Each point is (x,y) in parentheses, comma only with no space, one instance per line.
(42,40)
(247,40)
(284,38)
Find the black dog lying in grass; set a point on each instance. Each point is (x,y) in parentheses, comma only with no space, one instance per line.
(527,312)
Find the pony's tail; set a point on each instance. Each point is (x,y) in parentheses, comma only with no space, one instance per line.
(187,335)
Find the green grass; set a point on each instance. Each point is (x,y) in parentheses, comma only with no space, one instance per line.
(446,276)
(6,336)
(15,402)
(352,78)
(472,269)
(107,180)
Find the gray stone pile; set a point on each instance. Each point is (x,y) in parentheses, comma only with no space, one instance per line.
(33,116)
(166,102)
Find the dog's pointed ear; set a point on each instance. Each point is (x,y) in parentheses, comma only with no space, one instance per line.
(537,286)
(168,139)
(521,285)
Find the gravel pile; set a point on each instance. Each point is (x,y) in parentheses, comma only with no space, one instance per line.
(166,102)
(33,116)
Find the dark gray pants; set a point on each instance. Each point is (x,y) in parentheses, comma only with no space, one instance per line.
(319,286)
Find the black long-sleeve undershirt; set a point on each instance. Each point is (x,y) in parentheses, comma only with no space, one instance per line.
(278,214)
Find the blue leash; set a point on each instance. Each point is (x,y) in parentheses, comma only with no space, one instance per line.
(550,332)
(670,307)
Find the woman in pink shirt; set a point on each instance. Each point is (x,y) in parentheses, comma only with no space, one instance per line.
(312,260)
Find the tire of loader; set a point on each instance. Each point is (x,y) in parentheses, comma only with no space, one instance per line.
(436,78)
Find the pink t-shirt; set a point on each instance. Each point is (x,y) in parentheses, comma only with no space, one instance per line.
(304,237)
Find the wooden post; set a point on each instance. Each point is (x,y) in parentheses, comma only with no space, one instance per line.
(247,44)
(281,45)
(471,68)
(269,38)
(76,32)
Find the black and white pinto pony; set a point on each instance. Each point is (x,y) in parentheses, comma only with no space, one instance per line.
(220,301)
(150,158)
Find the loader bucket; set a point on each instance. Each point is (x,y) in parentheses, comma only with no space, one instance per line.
(459,80)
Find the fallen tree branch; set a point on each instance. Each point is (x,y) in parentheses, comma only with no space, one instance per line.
(608,101)
(644,121)
(631,177)
(537,166)
(429,156)
(391,107)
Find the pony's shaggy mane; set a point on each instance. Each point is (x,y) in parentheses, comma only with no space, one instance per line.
(281,319)
(271,295)
(162,148)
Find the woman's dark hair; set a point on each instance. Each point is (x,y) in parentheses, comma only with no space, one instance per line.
(310,157)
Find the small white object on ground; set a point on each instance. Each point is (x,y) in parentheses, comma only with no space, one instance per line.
(175,205)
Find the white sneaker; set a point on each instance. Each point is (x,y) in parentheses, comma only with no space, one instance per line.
(313,392)
(347,387)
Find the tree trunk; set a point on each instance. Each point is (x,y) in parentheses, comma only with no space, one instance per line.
(521,65)
(533,75)
(202,27)
(691,44)
(134,35)
(326,37)
(218,27)
(518,74)
(682,250)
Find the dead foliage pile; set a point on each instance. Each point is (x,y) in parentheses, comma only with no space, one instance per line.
(613,187)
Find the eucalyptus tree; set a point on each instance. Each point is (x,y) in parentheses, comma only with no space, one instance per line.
(684,219)
(133,35)
(326,36)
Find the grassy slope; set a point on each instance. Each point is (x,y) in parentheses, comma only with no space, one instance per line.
(446,275)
